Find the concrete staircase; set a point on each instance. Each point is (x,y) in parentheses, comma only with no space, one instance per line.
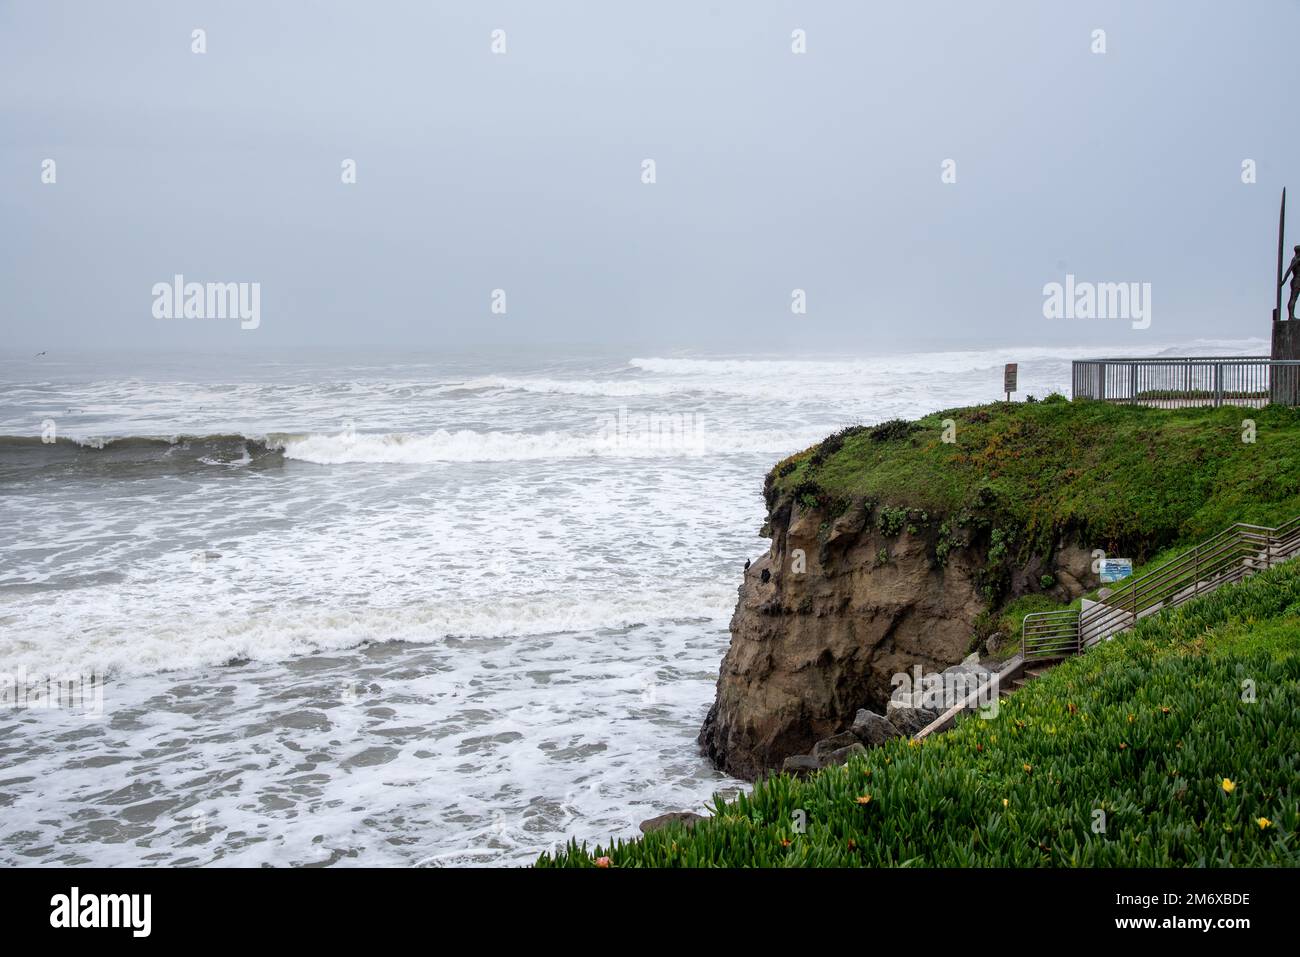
(1235,553)
(1047,638)
(1027,675)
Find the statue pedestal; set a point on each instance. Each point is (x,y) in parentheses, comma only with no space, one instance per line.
(1284,382)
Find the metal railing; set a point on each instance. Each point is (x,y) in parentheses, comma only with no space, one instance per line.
(1049,634)
(1233,554)
(1251,381)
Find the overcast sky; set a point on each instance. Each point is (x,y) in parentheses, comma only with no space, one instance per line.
(523,171)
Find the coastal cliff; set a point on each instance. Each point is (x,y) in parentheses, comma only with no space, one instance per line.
(826,618)
(915,543)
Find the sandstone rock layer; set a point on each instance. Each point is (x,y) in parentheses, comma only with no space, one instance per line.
(825,619)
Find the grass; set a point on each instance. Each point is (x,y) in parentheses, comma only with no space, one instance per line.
(1127,479)
(1177,744)
(1020,479)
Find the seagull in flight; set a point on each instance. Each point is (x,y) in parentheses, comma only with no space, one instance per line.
(39,354)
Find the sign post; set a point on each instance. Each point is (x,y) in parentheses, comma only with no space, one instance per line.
(1009,379)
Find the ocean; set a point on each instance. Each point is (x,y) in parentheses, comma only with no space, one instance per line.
(393,609)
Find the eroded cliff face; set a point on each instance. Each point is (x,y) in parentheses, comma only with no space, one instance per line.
(826,618)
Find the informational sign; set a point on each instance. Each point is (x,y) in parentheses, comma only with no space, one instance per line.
(1009,379)
(1114,569)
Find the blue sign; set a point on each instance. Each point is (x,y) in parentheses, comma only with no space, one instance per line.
(1114,569)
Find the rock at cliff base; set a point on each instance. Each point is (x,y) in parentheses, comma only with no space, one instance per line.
(686,818)
(970,666)
(799,764)
(840,755)
(910,720)
(834,743)
(873,729)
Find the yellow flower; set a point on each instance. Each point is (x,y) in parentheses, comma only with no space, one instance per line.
(1005,802)
(1263,822)
(785,842)
(1029,768)
(864,799)
(1229,786)
(1130,719)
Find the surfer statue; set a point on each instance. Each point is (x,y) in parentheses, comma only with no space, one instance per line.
(1293,271)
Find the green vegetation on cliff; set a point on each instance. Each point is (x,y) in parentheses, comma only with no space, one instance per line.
(1127,479)
(1177,744)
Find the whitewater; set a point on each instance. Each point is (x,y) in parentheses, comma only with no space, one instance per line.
(415,610)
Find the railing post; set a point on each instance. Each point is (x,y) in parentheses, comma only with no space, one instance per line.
(1218,384)
(1196,569)
(1135,601)
(1133,382)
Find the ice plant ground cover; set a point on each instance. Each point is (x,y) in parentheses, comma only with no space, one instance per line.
(1177,744)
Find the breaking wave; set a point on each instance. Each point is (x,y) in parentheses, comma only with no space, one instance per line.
(638,436)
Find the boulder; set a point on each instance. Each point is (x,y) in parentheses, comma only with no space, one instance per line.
(685,818)
(834,743)
(911,720)
(832,758)
(1074,569)
(873,729)
(799,764)
(969,666)
(905,699)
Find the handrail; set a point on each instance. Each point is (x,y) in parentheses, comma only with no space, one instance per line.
(1173,359)
(1187,381)
(1239,550)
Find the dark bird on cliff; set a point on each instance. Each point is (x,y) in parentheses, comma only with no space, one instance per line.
(746,564)
(767,575)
